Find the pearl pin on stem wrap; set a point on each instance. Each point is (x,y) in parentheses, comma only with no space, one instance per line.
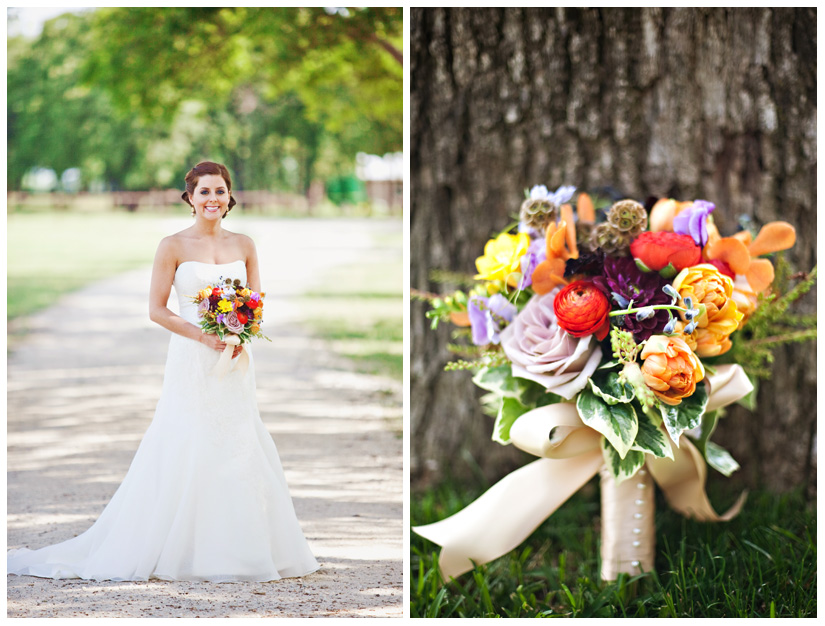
(628,531)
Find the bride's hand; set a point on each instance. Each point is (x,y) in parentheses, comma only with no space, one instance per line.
(214,342)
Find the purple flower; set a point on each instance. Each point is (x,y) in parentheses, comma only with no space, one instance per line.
(203,307)
(536,253)
(693,221)
(220,318)
(488,316)
(625,283)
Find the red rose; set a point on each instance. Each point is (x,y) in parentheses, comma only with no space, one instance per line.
(216,291)
(242,317)
(582,309)
(660,249)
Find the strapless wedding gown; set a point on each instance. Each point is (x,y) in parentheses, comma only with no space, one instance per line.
(205,497)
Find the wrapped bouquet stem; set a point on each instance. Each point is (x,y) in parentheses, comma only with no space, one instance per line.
(602,351)
(628,525)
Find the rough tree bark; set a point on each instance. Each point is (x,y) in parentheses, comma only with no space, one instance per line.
(688,103)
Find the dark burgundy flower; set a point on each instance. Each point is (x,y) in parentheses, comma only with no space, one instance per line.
(629,283)
(589,264)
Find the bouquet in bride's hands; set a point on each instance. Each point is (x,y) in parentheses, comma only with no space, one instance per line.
(234,314)
(226,309)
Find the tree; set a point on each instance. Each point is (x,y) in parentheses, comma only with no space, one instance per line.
(344,68)
(134,97)
(687,103)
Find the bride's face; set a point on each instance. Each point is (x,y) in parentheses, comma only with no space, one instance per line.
(211,197)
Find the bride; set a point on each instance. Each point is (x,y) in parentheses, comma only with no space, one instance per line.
(205,498)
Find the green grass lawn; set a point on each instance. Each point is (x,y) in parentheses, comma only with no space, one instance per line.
(50,254)
(367,300)
(761,564)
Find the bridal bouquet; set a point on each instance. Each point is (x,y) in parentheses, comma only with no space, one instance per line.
(226,307)
(234,313)
(603,346)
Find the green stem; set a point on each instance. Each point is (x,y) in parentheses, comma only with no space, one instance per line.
(802,334)
(659,307)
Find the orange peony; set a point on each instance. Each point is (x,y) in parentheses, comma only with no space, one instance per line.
(712,293)
(670,368)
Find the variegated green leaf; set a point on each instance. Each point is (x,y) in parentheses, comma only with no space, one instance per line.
(607,386)
(621,468)
(685,415)
(720,459)
(618,423)
(650,439)
(501,381)
(509,411)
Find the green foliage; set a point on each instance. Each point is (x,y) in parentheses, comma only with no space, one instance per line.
(773,323)
(618,423)
(135,96)
(687,414)
(650,439)
(622,467)
(511,397)
(763,563)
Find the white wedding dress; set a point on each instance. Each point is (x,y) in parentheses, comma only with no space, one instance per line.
(205,498)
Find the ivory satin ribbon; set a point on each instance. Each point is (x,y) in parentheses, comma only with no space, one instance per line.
(225,362)
(506,514)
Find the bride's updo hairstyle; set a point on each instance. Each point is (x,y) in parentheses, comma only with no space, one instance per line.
(206,168)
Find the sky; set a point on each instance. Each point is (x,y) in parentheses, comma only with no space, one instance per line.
(28,21)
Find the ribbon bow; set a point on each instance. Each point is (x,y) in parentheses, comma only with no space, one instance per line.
(222,366)
(507,513)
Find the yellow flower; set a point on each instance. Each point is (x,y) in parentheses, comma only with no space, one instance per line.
(254,328)
(204,293)
(243,293)
(712,293)
(502,258)
(257,313)
(224,306)
(670,368)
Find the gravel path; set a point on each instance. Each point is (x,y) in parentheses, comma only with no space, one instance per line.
(82,389)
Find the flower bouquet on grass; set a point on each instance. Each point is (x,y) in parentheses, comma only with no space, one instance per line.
(235,314)
(605,346)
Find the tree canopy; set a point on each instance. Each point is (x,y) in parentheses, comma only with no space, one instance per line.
(134,96)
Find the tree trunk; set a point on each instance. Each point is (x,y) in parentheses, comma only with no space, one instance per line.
(717,104)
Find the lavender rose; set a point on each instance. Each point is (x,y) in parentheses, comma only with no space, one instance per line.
(541,351)
(203,307)
(233,324)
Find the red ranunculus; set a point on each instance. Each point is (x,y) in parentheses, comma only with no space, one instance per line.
(723,267)
(582,309)
(216,291)
(243,318)
(660,249)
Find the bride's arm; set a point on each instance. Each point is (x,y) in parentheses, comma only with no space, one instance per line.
(253,275)
(163,275)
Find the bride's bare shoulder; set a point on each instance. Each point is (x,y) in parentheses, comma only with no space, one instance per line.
(243,242)
(172,245)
